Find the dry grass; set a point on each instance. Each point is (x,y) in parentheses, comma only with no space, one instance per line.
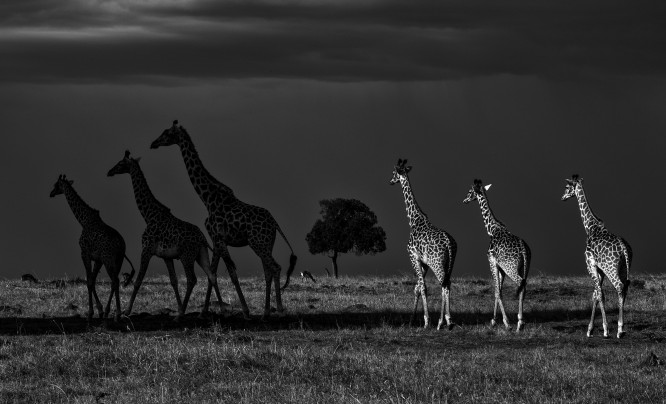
(343,341)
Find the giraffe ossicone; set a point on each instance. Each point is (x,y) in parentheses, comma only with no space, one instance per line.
(428,247)
(606,255)
(508,254)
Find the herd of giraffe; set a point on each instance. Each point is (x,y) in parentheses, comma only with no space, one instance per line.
(231,222)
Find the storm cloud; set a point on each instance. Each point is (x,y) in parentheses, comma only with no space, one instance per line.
(170,43)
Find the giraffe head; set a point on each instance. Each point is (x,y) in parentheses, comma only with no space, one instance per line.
(123,166)
(400,171)
(572,184)
(58,187)
(476,190)
(169,136)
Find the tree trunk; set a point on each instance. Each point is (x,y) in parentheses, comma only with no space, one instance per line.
(334,258)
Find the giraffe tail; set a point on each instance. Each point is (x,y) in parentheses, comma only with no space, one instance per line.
(127,277)
(628,254)
(527,258)
(292,265)
(292,257)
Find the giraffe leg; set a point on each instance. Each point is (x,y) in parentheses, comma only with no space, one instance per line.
(272,275)
(621,297)
(202,260)
(145,259)
(602,301)
(498,277)
(521,297)
(115,284)
(278,292)
(188,265)
(90,283)
(424,297)
(112,269)
(231,268)
(95,272)
(417,298)
(213,270)
(621,286)
(268,276)
(620,320)
(446,291)
(446,286)
(505,318)
(596,294)
(417,287)
(107,308)
(115,289)
(174,284)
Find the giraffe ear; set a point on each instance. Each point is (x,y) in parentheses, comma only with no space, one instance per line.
(175,123)
(137,159)
(408,169)
(70,182)
(487,187)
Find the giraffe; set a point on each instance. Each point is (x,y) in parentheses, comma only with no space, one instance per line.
(606,255)
(100,244)
(231,222)
(167,237)
(428,247)
(508,255)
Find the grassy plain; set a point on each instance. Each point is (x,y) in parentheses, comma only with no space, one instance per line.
(342,341)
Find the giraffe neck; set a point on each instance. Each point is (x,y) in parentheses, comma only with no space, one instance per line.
(82,211)
(206,186)
(591,223)
(148,205)
(489,220)
(414,213)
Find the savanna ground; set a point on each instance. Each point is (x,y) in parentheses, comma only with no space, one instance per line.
(344,340)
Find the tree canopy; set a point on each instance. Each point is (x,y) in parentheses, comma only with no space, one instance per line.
(347,225)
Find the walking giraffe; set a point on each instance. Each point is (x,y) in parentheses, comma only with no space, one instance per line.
(100,244)
(428,247)
(508,255)
(230,221)
(605,255)
(167,237)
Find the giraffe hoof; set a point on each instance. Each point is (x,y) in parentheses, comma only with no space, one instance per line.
(620,334)
(493,323)
(450,326)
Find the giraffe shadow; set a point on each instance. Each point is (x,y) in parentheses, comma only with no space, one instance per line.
(566,321)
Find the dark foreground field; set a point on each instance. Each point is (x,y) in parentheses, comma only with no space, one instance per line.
(343,341)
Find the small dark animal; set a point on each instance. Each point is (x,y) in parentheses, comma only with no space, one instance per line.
(127,278)
(307,274)
(29,278)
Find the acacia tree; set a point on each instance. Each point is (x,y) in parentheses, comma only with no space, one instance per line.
(347,225)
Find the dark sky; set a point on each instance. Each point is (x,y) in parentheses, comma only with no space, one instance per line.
(290,102)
